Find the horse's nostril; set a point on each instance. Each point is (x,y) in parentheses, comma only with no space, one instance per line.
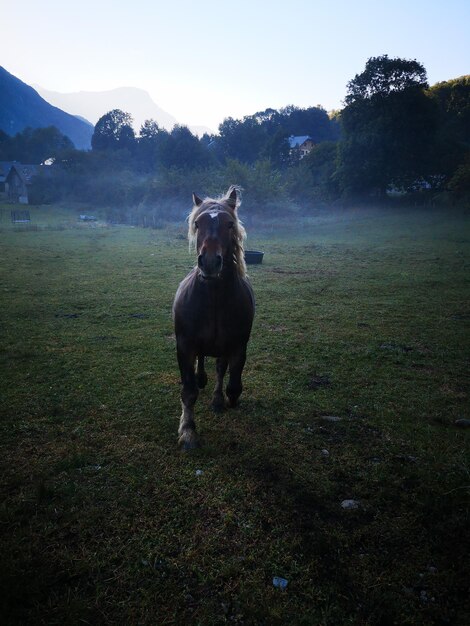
(199,260)
(219,260)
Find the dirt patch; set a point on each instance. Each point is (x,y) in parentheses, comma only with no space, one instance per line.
(317,381)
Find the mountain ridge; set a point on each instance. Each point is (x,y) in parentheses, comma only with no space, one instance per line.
(21,106)
(133,100)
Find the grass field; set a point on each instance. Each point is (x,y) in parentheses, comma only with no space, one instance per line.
(361,315)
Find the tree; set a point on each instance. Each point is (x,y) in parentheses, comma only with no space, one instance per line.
(114,131)
(388,127)
(242,139)
(383,76)
(263,135)
(149,141)
(452,99)
(183,149)
(34,145)
(312,121)
(321,162)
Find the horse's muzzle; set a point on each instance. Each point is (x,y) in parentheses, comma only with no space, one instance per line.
(210,264)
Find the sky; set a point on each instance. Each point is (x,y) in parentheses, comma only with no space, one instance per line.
(205,60)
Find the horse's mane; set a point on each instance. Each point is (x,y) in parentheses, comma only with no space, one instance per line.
(223,203)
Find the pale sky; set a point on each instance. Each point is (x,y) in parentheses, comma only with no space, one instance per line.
(205,60)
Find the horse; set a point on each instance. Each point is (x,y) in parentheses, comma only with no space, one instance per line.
(213,308)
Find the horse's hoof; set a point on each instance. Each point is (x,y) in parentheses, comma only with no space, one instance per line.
(188,441)
(218,403)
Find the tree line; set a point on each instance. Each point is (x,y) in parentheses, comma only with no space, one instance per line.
(394,135)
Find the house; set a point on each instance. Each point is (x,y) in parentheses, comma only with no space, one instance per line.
(302,143)
(18,180)
(5,167)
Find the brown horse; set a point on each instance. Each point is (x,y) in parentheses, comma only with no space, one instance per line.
(213,308)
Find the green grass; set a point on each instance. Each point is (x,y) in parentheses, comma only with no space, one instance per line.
(104,521)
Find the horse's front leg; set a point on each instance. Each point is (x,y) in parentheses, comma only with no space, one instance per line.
(218,400)
(188,438)
(236,363)
(201,373)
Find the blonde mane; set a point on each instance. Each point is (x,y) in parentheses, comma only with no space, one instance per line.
(223,204)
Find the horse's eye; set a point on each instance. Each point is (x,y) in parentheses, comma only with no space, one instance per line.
(196,225)
(230,224)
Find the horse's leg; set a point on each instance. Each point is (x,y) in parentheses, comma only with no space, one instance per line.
(201,373)
(236,363)
(187,429)
(218,400)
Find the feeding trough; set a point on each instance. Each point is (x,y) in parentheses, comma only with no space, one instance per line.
(253,257)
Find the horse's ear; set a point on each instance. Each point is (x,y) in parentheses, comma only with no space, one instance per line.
(233,199)
(196,200)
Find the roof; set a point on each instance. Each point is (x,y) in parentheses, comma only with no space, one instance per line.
(25,172)
(296,142)
(5,167)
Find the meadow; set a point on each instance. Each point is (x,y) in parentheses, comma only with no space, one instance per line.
(355,389)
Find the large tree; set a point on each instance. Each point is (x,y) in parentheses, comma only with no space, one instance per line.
(383,76)
(453,138)
(114,131)
(453,98)
(388,127)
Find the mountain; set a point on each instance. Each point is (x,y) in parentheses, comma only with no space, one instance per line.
(93,104)
(21,106)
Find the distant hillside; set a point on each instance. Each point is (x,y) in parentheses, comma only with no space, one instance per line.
(93,104)
(21,106)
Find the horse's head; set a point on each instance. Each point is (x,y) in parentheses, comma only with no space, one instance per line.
(217,233)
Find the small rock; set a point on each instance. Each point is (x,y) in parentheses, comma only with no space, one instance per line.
(325,453)
(199,472)
(350,504)
(280,583)
(432,569)
(462,423)
(331,418)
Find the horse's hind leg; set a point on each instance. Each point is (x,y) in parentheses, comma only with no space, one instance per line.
(201,373)
(234,387)
(218,400)
(187,429)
